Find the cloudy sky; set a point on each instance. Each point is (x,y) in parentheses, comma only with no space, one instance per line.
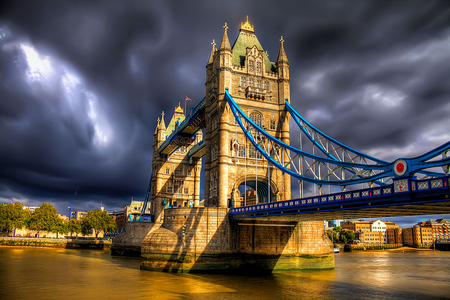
(83,82)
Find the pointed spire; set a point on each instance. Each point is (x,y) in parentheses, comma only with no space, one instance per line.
(225,41)
(282,58)
(211,57)
(157,127)
(162,124)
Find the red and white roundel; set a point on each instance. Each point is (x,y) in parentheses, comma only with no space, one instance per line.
(400,167)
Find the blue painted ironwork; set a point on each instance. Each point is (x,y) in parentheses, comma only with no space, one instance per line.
(185,131)
(400,192)
(368,170)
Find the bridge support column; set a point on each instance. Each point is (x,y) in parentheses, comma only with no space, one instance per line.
(206,240)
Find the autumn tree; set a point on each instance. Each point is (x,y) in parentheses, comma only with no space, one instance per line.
(74,226)
(12,216)
(99,221)
(44,218)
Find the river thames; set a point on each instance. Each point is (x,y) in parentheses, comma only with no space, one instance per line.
(27,273)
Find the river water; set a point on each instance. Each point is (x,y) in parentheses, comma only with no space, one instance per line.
(27,273)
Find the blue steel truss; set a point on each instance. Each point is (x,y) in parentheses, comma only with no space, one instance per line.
(335,164)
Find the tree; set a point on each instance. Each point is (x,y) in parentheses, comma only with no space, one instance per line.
(74,226)
(12,216)
(60,226)
(99,220)
(332,235)
(44,218)
(347,235)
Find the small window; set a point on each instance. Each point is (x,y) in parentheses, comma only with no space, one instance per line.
(258,84)
(266,86)
(241,151)
(243,81)
(169,190)
(186,191)
(258,66)
(251,82)
(272,125)
(179,171)
(190,172)
(167,171)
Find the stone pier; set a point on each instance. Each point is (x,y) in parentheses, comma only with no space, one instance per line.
(205,240)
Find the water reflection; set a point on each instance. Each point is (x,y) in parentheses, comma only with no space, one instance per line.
(85,274)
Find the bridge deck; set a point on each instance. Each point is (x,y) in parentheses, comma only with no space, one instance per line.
(405,197)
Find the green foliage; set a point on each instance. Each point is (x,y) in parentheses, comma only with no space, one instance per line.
(12,216)
(332,235)
(45,218)
(74,226)
(346,235)
(99,220)
(337,229)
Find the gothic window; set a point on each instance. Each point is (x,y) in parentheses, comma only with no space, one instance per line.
(243,81)
(258,66)
(251,82)
(257,118)
(273,125)
(241,151)
(253,153)
(251,65)
(258,84)
(266,86)
(214,152)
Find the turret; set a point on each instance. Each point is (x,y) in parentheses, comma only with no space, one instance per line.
(282,62)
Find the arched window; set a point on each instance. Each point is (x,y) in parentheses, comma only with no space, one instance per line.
(258,66)
(257,117)
(251,65)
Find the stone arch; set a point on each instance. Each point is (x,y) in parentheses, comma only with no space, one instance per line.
(263,187)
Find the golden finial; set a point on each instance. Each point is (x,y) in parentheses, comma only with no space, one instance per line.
(225,27)
(179,109)
(247,27)
(282,40)
(158,121)
(213,43)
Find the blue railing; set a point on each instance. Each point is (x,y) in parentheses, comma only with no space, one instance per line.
(192,115)
(398,187)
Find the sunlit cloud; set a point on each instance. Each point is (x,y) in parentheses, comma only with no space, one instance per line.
(375,95)
(48,71)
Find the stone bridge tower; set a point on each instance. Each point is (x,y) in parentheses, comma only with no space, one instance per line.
(260,88)
(175,177)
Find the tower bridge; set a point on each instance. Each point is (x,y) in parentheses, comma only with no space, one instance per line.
(249,220)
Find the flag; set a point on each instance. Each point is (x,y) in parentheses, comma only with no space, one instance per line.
(188,99)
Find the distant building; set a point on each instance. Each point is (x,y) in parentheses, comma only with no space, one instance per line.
(119,217)
(77,215)
(394,235)
(440,229)
(358,226)
(370,237)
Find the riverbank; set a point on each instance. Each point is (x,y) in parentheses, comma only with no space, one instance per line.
(54,243)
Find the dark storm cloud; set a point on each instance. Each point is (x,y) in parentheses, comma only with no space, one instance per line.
(369,73)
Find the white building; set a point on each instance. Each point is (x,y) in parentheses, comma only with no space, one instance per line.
(379,226)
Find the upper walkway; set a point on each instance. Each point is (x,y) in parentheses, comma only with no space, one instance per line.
(184,133)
